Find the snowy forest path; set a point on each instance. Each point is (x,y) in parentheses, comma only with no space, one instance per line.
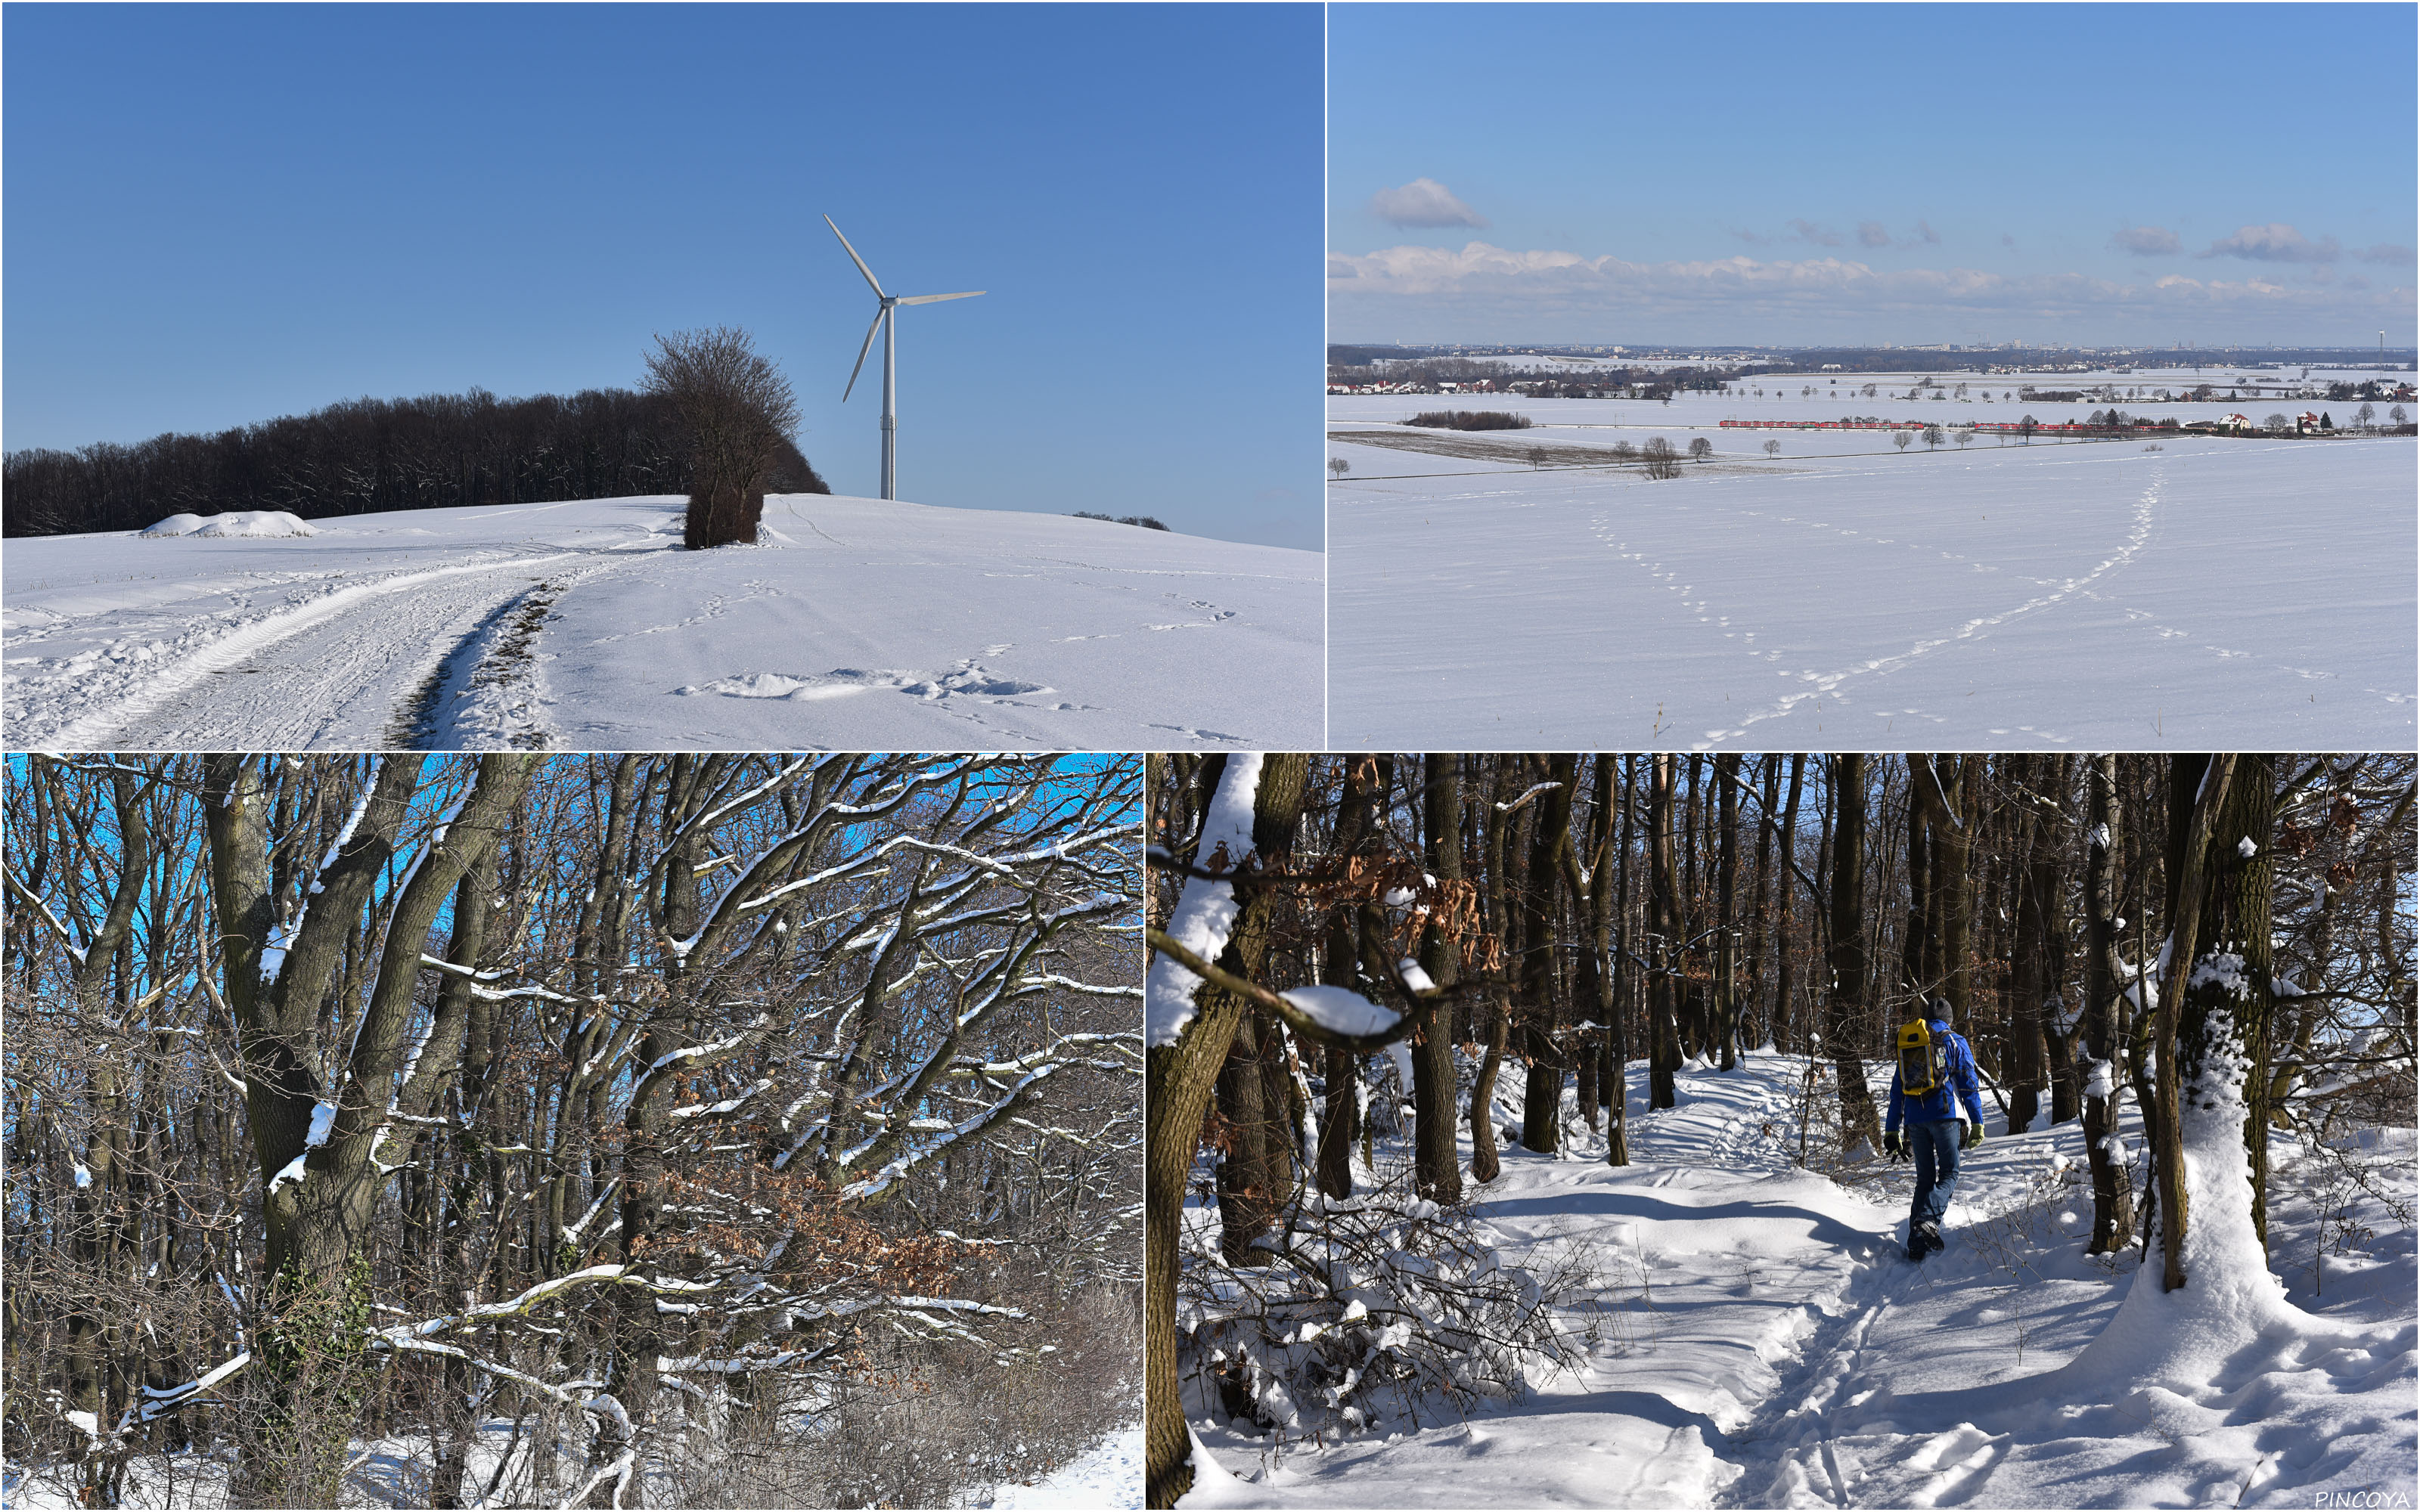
(364,667)
(1790,1433)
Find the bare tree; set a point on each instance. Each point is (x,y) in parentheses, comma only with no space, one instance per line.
(1700,448)
(738,412)
(413,1093)
(1661,461)
(1900,439)
(1933,436)
(1773,448)
(1339,467)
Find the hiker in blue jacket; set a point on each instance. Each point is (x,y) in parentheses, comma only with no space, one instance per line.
(1934,1075)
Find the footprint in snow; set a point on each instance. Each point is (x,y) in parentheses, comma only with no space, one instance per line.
(970,680)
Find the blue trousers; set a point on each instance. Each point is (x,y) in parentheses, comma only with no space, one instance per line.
(1936,1168)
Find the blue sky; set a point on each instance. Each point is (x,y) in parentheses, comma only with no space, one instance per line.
(1799,174)
(219,214)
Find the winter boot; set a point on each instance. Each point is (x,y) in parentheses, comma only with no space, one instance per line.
(1926,1241)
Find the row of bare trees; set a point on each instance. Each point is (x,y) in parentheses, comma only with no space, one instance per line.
(1576,914)
(598,1129)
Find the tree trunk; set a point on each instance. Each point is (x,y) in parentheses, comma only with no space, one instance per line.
(1725,994)
(1625,969)
(1505,834)
(1177,1081)
(2031,964)
(1436,1171)
(1663,926)
(1357,830)
(2113,1195)
(2197,787)
(1785,966)
(1847,1003)
(1541,1093)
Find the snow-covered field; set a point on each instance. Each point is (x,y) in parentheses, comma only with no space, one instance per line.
(2209,594)
(1760,1340)
(855,624)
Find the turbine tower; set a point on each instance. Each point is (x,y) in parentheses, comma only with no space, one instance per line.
(884,321)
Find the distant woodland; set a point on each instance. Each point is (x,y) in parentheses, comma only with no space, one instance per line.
(368,455)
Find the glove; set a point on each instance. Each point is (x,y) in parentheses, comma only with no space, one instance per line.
(1973,1136)
(1895,1145)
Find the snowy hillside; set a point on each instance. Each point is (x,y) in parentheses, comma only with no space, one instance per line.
(2209,593)
(856,623)
(1750,1334)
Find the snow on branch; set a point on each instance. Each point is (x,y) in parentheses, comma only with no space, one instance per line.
(1088,989)
(1535,790)
(723,1109)
(701,1054)
(1332,1015)
(1206,910)
(66,939)
(914,1156)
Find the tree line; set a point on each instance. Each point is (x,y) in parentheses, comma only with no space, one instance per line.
(367,455)
(737,1130)
(2231,930)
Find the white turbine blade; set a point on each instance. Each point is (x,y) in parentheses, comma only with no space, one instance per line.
(860,261)
(879,318)
(929,299)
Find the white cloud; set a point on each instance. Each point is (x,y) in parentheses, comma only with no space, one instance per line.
(2385,252)
(1498,283)
(1423,202)
(2146,241)
(1925,234)
(1871,234)
(2274,243)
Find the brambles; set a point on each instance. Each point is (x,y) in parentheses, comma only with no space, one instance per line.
(1398,1303)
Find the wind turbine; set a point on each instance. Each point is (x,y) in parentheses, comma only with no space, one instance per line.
(884,321)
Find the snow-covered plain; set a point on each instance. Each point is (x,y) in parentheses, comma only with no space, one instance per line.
(2209,593)
(1760,1341)
(854,623)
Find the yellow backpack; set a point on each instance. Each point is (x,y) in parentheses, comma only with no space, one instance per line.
(1919,1066)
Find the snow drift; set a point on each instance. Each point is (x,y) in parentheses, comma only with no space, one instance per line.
(255,523)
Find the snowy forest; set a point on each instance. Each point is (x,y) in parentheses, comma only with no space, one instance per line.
(611,1130)
(1515,1130)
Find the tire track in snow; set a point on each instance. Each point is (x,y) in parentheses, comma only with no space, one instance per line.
(336,671)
